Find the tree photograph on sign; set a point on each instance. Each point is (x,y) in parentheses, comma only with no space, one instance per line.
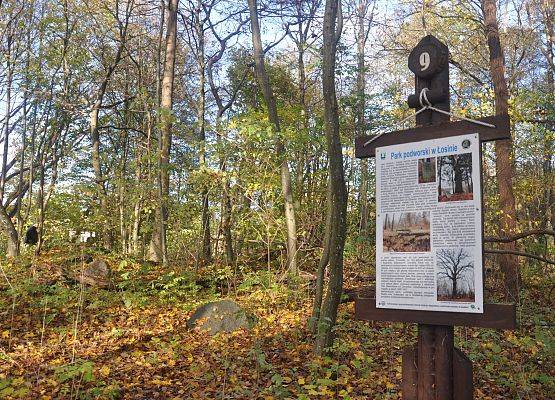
(454,176)
(406,232)
(427,170)
(455,276)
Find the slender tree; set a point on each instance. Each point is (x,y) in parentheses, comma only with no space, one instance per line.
(9,227)
(223,106)
(364,16)
(265,87)
(337,192)
(158,250)
(98,98)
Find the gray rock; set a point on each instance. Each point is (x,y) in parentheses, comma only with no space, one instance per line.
(220,316)
(96,273)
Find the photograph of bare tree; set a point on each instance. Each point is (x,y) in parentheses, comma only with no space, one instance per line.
(427,170)
(455,276)
(454,176)
(406,232)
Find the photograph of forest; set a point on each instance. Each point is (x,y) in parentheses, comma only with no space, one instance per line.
(455,275)
(427,170)
(454,176)
(406,232)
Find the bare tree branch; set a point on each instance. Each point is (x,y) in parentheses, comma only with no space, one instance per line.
(518,236)
(519,253)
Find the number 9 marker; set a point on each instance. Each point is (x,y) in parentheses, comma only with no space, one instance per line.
(424,61)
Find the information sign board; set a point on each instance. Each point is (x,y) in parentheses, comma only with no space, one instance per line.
(429,225)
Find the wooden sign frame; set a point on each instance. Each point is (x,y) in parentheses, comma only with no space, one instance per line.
(497,316)
(443,130)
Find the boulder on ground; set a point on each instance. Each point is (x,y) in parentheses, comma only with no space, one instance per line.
(219,316)
(96,273)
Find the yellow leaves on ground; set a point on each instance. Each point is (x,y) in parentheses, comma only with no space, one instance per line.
(147,352)
(105,371)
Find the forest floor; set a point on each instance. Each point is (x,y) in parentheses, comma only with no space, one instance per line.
(407,240)
(63,340)
(455,197)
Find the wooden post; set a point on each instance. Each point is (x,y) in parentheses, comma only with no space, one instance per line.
(443,352)
(425,374)
(433,369)
(429,61)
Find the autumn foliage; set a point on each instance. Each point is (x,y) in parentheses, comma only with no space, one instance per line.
(61,340)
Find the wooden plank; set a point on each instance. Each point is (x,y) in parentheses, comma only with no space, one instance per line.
(502,130)
(463,388)
(443,366)
(426,383)
(497,316)
(410,373)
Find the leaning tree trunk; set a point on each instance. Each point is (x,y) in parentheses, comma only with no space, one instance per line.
(102,193)
(264,83)
(337,191)
(158,243)
(503,150)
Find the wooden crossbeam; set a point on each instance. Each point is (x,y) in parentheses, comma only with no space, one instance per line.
(497,316)
(447,129)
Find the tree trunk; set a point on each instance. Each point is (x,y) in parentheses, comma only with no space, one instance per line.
(158,238)
(457,171)
(362,29)
(205,255)
(98,176)
(206,250)
(21,180)
(9,227)
(503,150)
(264,83)
(439,171)
(548,14)
(158,249)
(337,191)
(226,225)
(107,235)
(322,265)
